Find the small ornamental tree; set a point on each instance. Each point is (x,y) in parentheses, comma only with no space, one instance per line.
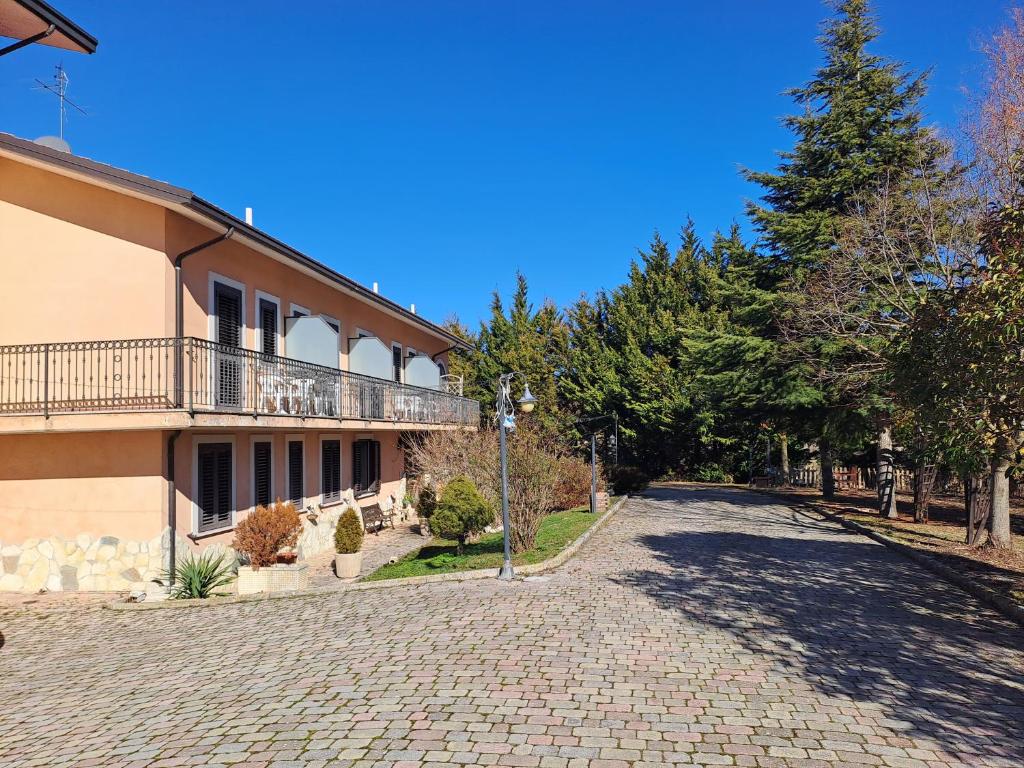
(461,512)
(348,533)
(266,531)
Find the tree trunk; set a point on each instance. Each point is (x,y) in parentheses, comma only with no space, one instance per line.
(828,481)
(784,459)
(977,488)
(886,474)
(999,501)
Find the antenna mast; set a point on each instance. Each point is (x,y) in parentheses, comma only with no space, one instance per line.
(59,88)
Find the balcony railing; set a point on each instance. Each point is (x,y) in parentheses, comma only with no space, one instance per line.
(201,376)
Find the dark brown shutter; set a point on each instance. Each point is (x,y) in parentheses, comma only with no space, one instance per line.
(215,499)
(358,462)
(268,327)
(330,470)
(295,492)
(227,308)
(262,472)
(375,477)
(396,362)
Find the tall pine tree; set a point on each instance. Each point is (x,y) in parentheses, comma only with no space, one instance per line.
(860,123)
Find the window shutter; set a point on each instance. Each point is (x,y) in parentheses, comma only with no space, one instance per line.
(295,491)
(396,362)
(262,472)
(268,327)
(330,470)
(358,462)
(215,498)
(227,306)
(376,465)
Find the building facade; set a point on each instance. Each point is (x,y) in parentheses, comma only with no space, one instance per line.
(165,366)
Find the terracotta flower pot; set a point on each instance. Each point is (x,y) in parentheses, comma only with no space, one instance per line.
(347,566)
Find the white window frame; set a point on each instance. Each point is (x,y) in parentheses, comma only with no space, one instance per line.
(341,467)
(401,357)
(303,310)
(341,335)
(294,438)
(252,468)
(258,322)
(211,329)
(196,440)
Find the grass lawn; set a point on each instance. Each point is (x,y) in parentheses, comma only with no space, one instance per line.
(557,531)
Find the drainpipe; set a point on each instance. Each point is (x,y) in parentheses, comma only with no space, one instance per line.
(446,349)
(179,311)
(172,517)
(179,349)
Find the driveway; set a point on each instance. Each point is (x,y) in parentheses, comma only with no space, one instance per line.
(699,627)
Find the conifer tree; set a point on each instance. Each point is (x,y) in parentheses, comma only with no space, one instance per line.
(860,123)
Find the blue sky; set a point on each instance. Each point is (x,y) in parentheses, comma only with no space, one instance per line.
(438,147)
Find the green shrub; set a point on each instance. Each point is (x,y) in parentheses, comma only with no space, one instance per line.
(627,479)
(200,577)
(348,533)
(461,512)
(711,473)
(427,502)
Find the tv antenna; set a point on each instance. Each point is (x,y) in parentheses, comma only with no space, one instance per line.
(59,88)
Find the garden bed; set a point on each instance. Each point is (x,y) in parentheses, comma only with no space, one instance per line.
(557,531)
(942,538)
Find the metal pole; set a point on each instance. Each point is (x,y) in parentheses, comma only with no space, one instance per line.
(593,473)
(506,573)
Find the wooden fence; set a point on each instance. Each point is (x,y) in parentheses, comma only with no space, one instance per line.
(946,484)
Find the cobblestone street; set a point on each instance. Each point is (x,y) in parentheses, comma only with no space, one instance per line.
(699,627)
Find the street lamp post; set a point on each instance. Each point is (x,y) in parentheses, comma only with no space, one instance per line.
(593,451)
(507,421)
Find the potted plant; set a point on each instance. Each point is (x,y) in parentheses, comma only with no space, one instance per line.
(348,541)
(263,536)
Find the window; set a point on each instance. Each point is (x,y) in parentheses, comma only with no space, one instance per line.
(268,326)
(262,472)
(441,369)
(298,310)
(296,467)
(330,470)
(366,466)
(396,360)
(214,486)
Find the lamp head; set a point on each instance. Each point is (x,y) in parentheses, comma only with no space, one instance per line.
(527,402)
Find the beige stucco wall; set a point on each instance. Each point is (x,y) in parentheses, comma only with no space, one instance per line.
(79,262)
(258,272)
(390,457)
(83,263)
(101,484)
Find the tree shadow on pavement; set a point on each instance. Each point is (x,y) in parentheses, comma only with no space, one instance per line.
(850,619)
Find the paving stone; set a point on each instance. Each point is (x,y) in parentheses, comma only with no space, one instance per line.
(699,627)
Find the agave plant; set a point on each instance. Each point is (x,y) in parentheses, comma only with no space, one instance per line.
(201,576)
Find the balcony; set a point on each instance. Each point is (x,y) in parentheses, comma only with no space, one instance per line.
(197,377)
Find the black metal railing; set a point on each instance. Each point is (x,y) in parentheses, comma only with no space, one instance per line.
(198,375)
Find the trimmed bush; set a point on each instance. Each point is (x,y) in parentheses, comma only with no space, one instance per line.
(348,533)
(627,479)
(266,531)
(572,486)
(711,473)
(461,512)
(201,577)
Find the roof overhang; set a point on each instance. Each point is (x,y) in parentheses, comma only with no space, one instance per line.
(207,214)
(33,21)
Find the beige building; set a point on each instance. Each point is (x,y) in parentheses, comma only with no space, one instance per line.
(165,366)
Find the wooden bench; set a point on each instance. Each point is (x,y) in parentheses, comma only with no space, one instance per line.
(376,519)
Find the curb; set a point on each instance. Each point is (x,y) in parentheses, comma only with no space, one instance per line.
(363,586)
(1000,603)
